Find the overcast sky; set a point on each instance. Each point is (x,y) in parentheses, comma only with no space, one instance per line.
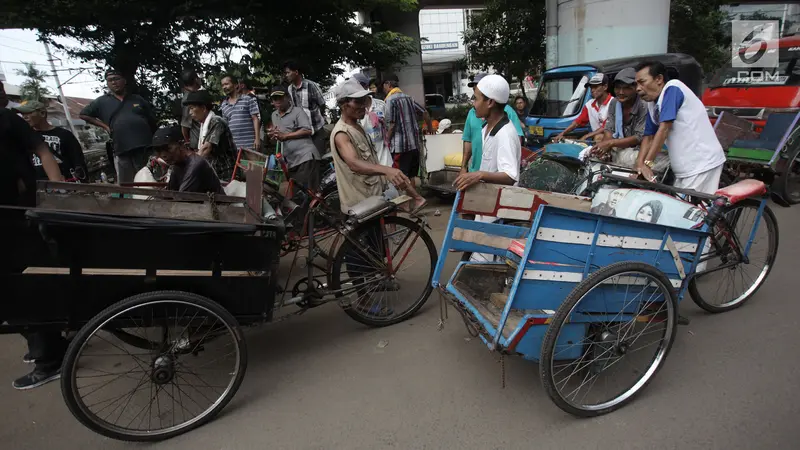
(19,45)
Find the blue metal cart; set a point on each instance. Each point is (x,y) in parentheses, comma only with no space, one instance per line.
(592,298)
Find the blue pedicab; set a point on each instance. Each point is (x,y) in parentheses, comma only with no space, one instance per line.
(594,298)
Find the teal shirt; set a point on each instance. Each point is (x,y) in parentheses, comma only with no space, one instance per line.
(472,133)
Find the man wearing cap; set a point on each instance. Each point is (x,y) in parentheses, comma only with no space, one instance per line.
(374,122)
(502,151)
(402,128)
(129,119)
(359,174)
(215,142)
(472,137)
(624,130)
(63,145)
(292,127)
(594,112)
(190,171)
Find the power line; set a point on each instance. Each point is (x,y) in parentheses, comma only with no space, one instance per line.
(22,50)
(15,39)
(67,69)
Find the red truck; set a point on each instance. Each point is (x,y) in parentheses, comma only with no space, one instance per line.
(755,93)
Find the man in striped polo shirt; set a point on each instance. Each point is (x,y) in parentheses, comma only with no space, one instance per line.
(242,114)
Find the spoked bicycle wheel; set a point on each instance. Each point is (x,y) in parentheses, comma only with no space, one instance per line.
(729,288)
(609,338)
(123,391)
(387,274)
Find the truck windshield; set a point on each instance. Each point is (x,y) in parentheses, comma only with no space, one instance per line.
(786,74)
(560,95)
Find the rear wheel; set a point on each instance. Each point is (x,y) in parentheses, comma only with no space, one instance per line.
(788,183)
(726,289)
(379,291)
(609,338)
(120,389)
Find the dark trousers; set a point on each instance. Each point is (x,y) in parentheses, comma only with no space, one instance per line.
(320,139)
(359,264)
(46,347)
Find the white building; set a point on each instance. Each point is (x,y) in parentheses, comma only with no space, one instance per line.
(443,51)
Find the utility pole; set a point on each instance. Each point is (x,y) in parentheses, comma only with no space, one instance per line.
(60,91)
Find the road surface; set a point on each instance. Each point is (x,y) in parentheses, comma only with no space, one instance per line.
(321,381)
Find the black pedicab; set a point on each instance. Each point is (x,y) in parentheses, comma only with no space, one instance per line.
(171,354)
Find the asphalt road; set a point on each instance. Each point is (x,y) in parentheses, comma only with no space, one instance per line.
(321,381)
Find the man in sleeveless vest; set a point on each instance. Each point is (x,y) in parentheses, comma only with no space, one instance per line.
(359,175)
(678,118)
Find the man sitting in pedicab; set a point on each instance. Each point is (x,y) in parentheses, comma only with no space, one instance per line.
(594,112)
(624,129)
(190,171)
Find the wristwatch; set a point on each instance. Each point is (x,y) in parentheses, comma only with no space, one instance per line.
(649,163)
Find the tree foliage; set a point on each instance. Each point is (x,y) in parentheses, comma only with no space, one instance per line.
(509,37)
(34,87)
(152,41)
(699,29)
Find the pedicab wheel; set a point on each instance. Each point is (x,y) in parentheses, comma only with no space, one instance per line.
(379,296)
(609,338)
(729,288)
(128,393)
(788,183)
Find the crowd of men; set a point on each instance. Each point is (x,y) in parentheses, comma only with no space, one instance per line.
(652,123)
(375,144)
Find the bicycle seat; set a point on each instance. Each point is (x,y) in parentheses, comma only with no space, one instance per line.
(370,207)
(742,190)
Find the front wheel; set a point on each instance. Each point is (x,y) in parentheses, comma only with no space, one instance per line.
(384,270)
(725,289)
(191,367)
(609,338)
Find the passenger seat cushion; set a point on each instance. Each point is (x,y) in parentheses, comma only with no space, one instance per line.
(742,190)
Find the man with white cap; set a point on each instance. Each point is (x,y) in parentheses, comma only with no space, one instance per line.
(594,112)
(473,141)
(359,175)
(501,151)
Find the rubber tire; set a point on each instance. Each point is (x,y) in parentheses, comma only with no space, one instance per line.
(781,184)
(335,280)
(71,359)
(551,335)
(769,217)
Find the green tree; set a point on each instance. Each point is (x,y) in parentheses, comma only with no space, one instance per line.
(509,37)
(33,88)
(151,41)
(700,29)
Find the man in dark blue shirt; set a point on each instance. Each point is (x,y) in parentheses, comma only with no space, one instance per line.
(129,119)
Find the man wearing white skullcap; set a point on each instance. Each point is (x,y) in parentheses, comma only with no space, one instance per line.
(501,147)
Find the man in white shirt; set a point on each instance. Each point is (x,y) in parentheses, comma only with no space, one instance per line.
(502,151)
(594,112)
(678,118)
